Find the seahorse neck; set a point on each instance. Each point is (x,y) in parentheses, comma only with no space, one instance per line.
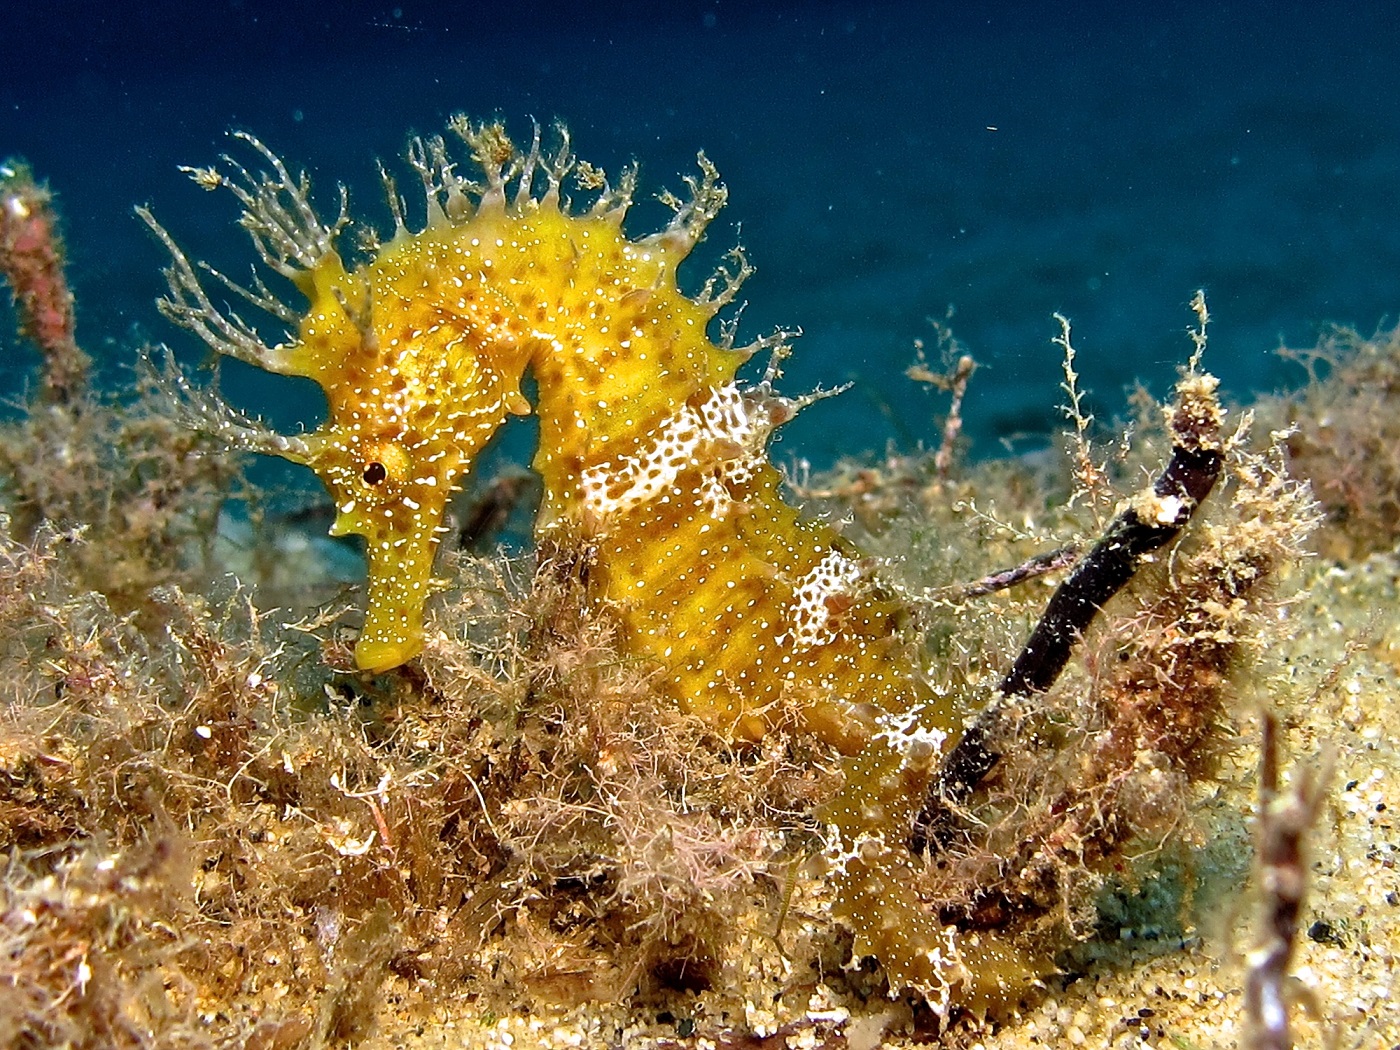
(615,349)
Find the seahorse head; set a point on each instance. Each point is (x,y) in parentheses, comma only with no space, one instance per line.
(420,348)
(414,390)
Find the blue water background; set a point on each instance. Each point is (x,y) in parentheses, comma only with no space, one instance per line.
(886,162)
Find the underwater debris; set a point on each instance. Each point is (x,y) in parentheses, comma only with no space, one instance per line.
(1099,767)
(1146,524)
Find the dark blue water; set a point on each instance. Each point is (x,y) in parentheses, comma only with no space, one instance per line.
(886,161)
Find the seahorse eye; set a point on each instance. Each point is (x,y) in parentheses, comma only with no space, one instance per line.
(375,473)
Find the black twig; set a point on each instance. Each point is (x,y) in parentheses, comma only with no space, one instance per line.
(1030,569)
(1151,520)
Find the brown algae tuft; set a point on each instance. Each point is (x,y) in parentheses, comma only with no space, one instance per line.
(746,772)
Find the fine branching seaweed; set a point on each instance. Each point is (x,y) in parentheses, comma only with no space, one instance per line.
(218,830)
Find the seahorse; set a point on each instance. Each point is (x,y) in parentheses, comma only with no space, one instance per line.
(653,457)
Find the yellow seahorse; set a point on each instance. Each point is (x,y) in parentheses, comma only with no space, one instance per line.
(653,458)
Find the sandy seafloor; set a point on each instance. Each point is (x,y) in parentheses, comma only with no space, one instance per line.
(885,161)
